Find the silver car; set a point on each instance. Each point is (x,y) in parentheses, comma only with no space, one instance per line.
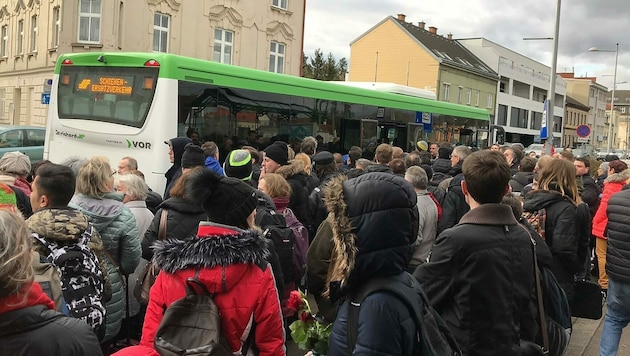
(26,139)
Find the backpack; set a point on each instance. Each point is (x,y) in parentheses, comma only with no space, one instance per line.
(283,240)
(192,325)
(82,280)
(537,219)
(437,205)
(438,177)
(434,336)
(47,275)
(301,243)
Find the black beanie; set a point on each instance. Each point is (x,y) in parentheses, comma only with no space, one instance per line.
(238,164)
(193,156)
(279,152)
(225,200)
(445,152)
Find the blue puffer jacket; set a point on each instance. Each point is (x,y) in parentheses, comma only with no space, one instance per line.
(117,227)
(380,210)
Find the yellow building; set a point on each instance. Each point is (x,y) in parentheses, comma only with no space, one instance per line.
(399,52)
(263,34)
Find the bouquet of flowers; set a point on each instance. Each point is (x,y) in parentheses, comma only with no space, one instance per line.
(309,331)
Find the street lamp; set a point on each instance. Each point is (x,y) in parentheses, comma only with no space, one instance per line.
(612,99)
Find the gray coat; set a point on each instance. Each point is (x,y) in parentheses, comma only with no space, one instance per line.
(117,226)
(428,218)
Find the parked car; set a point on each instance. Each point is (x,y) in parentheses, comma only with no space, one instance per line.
(536,147)
(26,139)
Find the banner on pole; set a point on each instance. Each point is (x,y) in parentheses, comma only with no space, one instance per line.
(543,123)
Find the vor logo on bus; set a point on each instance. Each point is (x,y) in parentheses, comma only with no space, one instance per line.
(139,144)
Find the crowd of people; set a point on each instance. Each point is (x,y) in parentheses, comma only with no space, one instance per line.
(460,222)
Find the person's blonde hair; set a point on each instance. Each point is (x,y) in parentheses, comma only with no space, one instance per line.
(16,270)
(307,162)
(93,177)
(276,185)
(559,176)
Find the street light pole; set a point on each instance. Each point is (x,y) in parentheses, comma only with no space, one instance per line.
(551,96)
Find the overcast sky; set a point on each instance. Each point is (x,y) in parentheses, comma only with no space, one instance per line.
(332,24)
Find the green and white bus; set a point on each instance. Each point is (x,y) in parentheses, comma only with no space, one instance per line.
(127,104)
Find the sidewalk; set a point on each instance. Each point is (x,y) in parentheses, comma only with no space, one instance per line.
(586,336)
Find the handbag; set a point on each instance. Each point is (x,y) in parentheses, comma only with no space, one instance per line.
(587,300)
(150,272)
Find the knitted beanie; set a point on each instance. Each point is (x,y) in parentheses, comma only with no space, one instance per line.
(15,163)
(225,200)
(422,145)
(238,164)
(193,156)
(279,152)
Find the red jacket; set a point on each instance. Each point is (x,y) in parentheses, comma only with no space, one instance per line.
(236,273)
(612,185)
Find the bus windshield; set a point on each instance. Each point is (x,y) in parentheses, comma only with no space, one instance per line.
(119,95)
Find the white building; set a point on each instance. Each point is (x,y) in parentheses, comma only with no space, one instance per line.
(261,34)
(522,91)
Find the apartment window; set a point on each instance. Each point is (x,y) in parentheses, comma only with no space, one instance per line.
(536,120)
(502,115)
(557,124)
(223,44)
(34,33)
(89,21)
(477,95)
(518,118)
(490,102)
(468,97)
(160,32)
(276,57)
(280,3)
(446,91)
(20,39)
(5,41)
(56,26)
(460,90)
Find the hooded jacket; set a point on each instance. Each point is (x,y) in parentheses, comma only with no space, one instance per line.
(183,217)
(566,228)
(231,264)
(520,180)
(375,223)
(35,328)
(299,202)
(178,144)
(612,185)
(119,233)
(618,250)
(480,279)
(454,205)
(442,165)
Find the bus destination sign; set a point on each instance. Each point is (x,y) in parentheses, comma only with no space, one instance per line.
(106,85)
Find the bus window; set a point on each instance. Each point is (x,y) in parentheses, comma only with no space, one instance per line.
(109,94)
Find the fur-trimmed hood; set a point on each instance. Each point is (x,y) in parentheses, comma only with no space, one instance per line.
(375,224)
(294,167)
(218,245)
(622,176)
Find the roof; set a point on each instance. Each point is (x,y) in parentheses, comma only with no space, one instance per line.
(448,51)
(576,104)
(622,97)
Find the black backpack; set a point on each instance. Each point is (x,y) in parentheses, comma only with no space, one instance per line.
(192,325)
(275,229)
(434,336)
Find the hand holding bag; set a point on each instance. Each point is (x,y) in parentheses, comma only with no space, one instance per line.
(150,272)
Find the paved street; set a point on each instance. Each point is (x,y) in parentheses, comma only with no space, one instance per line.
(586,336)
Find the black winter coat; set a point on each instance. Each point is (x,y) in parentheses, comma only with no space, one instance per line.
(182,221)
(520,180)
(590,194)
(480,279)
(454,205)
(567,233)
(618,252)
(37,330)
(441,165)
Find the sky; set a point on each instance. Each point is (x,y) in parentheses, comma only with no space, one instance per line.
(332,24)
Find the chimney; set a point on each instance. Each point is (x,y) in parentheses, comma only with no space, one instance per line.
(401,17)
(449,36)
(421,24)
(433,30)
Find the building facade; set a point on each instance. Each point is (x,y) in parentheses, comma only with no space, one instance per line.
(588,92)
(576,114)
(521,92)
(400,52)
(620,120)
(266,35)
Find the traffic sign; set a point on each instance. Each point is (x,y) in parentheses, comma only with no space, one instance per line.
(45,98)
(583,131)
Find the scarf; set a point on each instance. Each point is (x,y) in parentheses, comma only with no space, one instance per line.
(31,295)
(281,203)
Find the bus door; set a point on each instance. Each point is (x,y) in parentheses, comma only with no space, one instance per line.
(369,134)
(414,134)
(394,133)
